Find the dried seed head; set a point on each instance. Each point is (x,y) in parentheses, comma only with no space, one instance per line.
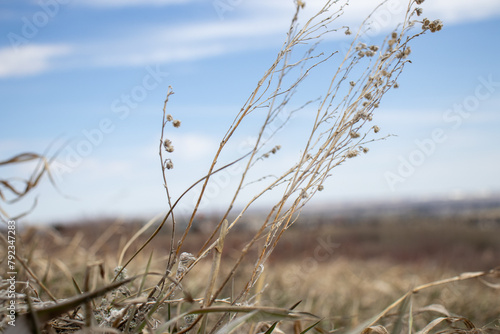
(364,149)
(352,153)
(436,25)
(394,35)
(360,46)
(189,319)
(176,123)
(396,85)
(354,134)
(167,144)
(418,11)
(169,164)
(185,260)
(258,272)
(369,53)
(362,114)
(352,83)
(169,118)
(123,273)
(419,2)
(320,187)
(376,129)
(348,32)
(439,24)
(368,96)
(374,48)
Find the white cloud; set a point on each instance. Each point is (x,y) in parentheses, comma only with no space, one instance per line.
(253,27)
(152,54)
(257,25)
(130,3)
(189,42)
(30,59)
(102,168)
(450,11)
(461,11)
(247,26)
(194,147)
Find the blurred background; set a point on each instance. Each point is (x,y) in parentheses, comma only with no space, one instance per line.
(87,80)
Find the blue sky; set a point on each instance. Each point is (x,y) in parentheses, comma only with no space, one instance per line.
(69,71)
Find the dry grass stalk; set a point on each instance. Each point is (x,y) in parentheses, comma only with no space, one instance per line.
(336,130)
(462,277)
(10,192)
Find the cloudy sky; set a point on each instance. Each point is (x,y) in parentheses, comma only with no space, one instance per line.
(88,78)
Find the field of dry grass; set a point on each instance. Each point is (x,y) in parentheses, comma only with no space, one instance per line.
(344,274)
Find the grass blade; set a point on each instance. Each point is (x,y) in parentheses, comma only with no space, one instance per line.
(271,329)
(236,323)
(310,327)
